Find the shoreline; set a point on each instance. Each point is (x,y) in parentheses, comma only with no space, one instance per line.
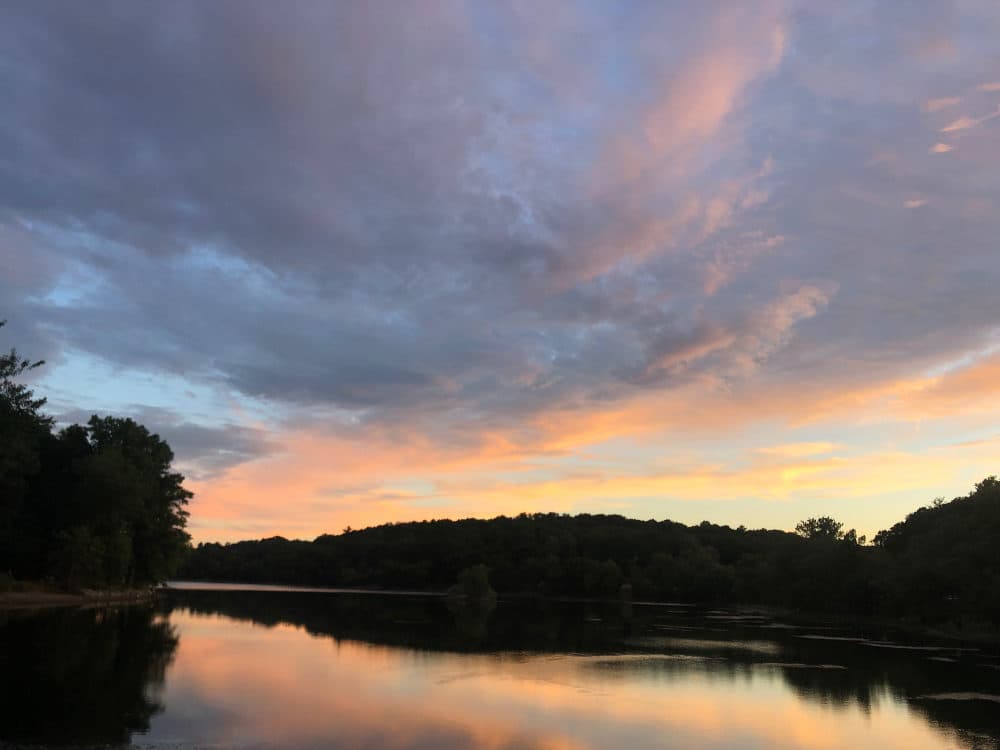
(955,632)
(41,598)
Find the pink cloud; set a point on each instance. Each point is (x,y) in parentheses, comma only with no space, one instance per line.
(935,105)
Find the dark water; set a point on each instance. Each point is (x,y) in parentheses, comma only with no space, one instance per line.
(244,668)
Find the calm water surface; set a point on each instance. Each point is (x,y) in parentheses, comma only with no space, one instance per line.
(279,668)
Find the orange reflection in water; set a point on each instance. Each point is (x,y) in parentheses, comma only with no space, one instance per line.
(234,683)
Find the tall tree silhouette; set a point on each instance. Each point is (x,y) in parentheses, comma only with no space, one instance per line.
(98,505)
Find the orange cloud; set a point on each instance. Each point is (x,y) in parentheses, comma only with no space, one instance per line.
(974,388)
(800,450)
(687,110)
(326,479)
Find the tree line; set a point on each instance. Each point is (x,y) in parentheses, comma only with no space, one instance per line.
(95,505)
(941,563)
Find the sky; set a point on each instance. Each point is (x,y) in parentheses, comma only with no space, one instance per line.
(367,262)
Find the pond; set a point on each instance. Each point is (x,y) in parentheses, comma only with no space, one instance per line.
(241,667)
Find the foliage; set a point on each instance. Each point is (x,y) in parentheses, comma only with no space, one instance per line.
(474,583)
(584,555)
(939,564)
(823,527)
(16,397)
(87,506)
(22,428)
(947,557)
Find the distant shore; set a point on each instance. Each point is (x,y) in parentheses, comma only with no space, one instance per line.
(33,598)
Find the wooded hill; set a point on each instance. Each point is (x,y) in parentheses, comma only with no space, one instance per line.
(941,563)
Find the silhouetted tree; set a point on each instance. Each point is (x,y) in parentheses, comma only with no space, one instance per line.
(141,499)
(88,506)
(22,428)
(851,537)
(823,527)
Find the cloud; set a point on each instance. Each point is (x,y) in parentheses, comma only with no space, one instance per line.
(203,452)
(489,235)
(375,319)
(936,105)
(800,450)
(964,123)
(992,86)
(965,389)
(726,260)
(673,354)
(206,452)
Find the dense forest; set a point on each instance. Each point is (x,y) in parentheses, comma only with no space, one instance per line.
(941,563)
(93,505)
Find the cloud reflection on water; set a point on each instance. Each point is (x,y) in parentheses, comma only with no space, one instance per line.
(235,683)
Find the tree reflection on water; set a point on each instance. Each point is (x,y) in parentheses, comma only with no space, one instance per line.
(81,676)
